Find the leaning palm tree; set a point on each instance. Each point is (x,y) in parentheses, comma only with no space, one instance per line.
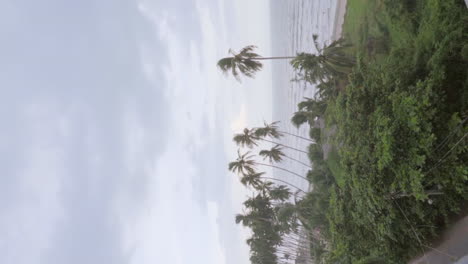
(330,61)
(280,193)
(248,219)
(246,62)
(272,131)
(312,105)
(301,117)
(275,154)
(249,139)
(253,178)
(244,164)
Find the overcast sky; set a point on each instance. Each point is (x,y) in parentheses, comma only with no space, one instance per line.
(116,129)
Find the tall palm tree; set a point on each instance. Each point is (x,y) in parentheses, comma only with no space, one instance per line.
(311,105)
(276,155)
(248,219)
(243,164)
(330,61)
(280,193)
(301,117)
(285,182)
(254,179)
(272,131)
(246,62)
(249,139)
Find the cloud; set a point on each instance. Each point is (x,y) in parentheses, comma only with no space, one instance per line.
(81,123)
(114,123)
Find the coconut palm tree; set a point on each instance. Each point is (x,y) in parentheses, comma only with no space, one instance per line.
(280,193)
(276,155)
(301,117)
(249,139)
(285,182)
(244,165)
(248,219)
(330,61)
(312,105)
(272,131)
(246,62)
(273,155)
(254,179)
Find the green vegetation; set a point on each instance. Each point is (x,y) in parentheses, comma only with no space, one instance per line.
(399,160)
(389,132)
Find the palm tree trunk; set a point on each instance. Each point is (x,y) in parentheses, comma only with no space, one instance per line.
(294,135)
(298,161)
(285,182)
(279,144)
(283,169)
(275,58)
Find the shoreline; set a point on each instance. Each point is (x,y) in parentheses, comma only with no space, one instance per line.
(340,15)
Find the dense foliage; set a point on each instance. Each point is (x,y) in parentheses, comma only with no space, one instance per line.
(399,165)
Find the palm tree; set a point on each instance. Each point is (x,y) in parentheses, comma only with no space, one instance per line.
(249,139)
(246,62)
(243,164)
(330,61)
(301,117)
(312,105)
(271,130)
(254,179)
(276,155)
(280,193)
(248,219)
(273,155)
(287,183)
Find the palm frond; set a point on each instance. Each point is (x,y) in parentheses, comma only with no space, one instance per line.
(225,64)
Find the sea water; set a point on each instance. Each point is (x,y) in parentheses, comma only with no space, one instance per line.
(294,22)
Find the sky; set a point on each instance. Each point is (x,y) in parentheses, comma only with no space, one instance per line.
(116,129)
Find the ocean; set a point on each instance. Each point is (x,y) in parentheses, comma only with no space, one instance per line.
(293,24)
